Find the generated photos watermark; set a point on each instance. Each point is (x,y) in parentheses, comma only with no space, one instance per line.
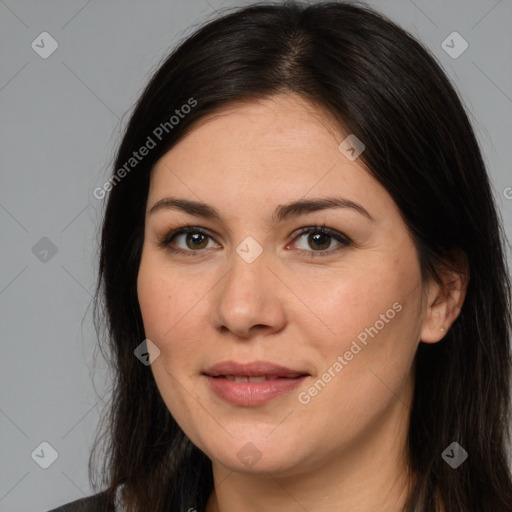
(151,142)
(305,397)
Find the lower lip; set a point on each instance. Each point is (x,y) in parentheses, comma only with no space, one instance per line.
(250,394)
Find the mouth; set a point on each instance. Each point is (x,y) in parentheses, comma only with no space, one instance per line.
(252,384)
(260,370)
(246,378)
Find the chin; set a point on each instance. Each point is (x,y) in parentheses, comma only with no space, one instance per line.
(257,455)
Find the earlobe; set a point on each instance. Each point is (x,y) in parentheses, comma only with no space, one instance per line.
(440,314)
(444,303)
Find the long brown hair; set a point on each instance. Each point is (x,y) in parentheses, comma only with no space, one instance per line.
(386,88)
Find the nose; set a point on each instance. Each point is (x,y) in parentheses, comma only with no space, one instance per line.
(250,299)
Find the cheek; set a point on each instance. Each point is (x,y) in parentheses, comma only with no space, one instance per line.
(159,300)
(172,312)
(374,315)
(152,292)
(373,324)
(342,306)
(164,307)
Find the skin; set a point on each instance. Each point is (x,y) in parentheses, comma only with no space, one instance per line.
(345,449)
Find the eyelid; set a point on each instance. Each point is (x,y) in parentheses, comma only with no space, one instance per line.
(165,241)
(322,229)
(343,240)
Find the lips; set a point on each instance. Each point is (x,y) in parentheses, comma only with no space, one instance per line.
(257,371)
(252,384)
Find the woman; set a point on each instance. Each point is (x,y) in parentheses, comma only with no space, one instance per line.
(304,280)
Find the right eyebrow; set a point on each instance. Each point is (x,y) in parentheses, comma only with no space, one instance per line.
(191,207)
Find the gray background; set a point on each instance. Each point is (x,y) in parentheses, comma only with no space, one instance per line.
(61,121)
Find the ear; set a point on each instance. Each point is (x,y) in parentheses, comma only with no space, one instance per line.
(444,301)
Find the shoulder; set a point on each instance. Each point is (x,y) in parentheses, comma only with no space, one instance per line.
(95,503)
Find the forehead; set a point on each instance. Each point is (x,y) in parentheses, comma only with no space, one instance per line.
(284,120)
(266,151)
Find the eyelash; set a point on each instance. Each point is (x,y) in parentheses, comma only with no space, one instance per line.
(344,241)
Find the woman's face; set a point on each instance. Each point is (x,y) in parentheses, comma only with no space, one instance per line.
(341,308)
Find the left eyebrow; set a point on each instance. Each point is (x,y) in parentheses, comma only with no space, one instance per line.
(304,206)
(281,213)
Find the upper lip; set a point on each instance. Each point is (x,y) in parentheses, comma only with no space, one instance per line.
(253,369)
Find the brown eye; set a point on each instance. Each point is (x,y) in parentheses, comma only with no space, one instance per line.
(187,240)
(196,240)
(319,241)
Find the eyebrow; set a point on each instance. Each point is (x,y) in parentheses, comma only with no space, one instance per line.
(282,212)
